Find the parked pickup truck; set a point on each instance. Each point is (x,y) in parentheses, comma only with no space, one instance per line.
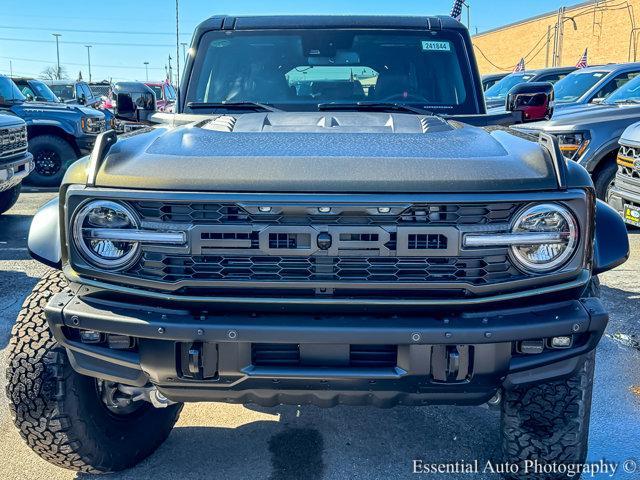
(58,134)
(318,224)
(590,134)
(624,196)
(15,161)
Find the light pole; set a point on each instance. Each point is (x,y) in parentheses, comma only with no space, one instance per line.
(468,15)
(57,35)
(146,69)
(89,60)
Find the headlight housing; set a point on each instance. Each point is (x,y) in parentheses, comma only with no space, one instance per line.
(574,144)
(553,235)
(93,231)
(93,125)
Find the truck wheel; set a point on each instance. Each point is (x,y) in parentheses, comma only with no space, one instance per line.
(60,413)
(52,156)
(604,180)
(9,197)
(548,423)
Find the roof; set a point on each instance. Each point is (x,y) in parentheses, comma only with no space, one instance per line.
(329,21)
(62,82)
(611,67)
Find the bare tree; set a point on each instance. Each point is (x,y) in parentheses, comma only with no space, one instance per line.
(51,73)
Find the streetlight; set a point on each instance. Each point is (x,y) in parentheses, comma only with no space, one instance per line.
(57,35)
(89,60)
(146,69)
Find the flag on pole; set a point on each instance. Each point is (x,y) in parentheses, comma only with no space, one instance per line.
(584,60)
(456,11)
(520,67)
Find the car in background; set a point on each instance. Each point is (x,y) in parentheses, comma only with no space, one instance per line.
(593,84)
(496,96)
(15,160)
(590,134)
(74,92)
(104,90)
(491,79)
(35,90)
(58,133)
(624,196)
(165,95)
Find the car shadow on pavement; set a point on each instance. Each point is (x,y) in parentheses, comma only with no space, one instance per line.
(624,323)
(10,303)
(313,443)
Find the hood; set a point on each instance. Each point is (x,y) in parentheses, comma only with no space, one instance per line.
(631,136)
(50,108)
(327,152)
(9,120)
(496,102)
(586,116)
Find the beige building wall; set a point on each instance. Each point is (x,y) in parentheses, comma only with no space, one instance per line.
(607,28)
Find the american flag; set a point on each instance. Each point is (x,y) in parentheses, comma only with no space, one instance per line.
(584,60)
(520,67)
(456,11)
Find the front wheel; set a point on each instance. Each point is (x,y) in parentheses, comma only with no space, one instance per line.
(604,180)
(8,198)
(61,414)
(548,424)
(51,157)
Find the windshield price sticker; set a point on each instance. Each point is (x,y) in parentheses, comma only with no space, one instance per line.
(435,46)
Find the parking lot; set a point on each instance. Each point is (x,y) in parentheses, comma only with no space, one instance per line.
(234,442)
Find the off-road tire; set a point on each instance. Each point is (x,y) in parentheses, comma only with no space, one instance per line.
(8,198)
(548,422)
(58,411)
(604,177)
(60,147)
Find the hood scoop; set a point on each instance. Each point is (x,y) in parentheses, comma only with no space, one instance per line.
(327,122)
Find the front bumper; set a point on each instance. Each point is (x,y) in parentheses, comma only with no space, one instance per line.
(326,359)
(13,172)
(86,142)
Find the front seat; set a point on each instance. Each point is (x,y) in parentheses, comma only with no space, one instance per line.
(392,84)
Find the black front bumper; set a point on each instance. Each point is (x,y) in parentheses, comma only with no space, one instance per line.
(85,143)
(457,358)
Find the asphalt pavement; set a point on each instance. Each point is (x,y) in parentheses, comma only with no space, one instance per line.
(218,441)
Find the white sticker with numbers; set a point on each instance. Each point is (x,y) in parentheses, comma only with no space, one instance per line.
(435,46)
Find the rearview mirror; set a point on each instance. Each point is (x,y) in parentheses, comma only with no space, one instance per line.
(135,106)
(534,100)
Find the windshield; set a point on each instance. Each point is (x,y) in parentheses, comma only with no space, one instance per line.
(297,70)
(504,86)
(64,92)
(575,85)
(42,91)
(628,93)
(157,90)
(9,91)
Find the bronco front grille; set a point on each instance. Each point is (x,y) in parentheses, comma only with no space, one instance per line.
(229,213)
(474,270)
(13,141)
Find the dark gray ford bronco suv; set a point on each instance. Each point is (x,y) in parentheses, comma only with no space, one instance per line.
(318,224)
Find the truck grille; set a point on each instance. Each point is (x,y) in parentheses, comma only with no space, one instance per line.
(475,270)
(399,248)
(629,162)
(227,213)
(13,141)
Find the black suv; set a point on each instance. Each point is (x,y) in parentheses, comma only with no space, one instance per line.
(318,224)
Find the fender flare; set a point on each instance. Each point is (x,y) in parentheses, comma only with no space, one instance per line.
(66,127)
(605,150)
(611,242)
(44,235)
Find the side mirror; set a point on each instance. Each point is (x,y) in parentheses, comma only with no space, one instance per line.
(29,97)
(597,101)
(125,108)
(535,100)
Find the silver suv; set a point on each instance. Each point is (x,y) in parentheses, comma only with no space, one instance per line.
(624,196)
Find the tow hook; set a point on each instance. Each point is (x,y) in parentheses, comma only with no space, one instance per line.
(148,394)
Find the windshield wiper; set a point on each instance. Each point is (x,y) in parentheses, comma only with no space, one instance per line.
(374,106)
(234,106)
(629,100)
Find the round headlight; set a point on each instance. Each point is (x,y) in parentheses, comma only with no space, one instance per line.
(548,255)
(92,227)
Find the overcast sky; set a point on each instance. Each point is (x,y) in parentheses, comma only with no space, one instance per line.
(126,33)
